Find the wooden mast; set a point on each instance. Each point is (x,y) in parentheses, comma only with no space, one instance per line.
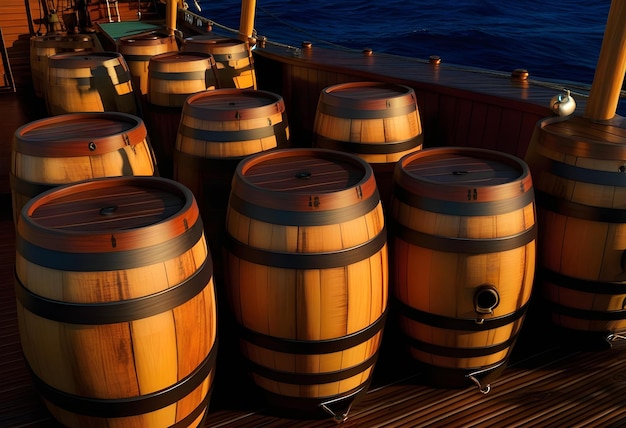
(609,75)
(170,16)
(246,23)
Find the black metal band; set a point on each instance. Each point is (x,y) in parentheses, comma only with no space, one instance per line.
(462,324)
(325,260)
(202,407)
(339,404)
(278,130)
(584,212)
(302,347)
(110,260)
(585,175)
(304,218)
(117,311)
(469,208)
(463,245)
(132,406)
(298,378)
(181,75)
(589,315)
(369,148)
(446,351)
(28,188)
(587,286)
(130,57)
(346,112)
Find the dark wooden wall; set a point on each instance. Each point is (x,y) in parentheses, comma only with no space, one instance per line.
(498,114)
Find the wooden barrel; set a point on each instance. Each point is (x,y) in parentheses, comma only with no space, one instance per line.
(172,77)
(235,65)
(115,303)
(379,122)
(578,168)
(42,47)
(137,51)
(307,275)
(463,259)
(86,82)
(74,147)
(217,130)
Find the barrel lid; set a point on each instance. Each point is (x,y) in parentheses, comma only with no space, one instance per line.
(118,214)
(83,59)
(458,171)
(377,92)
(582,137)
(367,100)
(145,38)
(304,179)
(79,134)
(233,104)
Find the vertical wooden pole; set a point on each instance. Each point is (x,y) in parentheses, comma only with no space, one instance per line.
(609,75)
(246,23)
(170,16)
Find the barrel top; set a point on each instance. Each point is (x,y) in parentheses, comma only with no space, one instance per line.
(118,213)
(461,169)
(147,38)
(79,134)
(452,171)
(303,171)
(235,100)
(294,179)
(367,91)
(583,137)
(107,205)
(78,126)
(88,57)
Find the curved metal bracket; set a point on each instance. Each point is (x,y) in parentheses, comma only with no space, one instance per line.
(340,416)
(616,340)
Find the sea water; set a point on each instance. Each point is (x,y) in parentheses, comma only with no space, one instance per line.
(551,39)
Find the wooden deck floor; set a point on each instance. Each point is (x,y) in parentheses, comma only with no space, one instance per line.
(551,381)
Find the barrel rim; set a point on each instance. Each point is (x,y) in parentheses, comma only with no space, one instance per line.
(79,145)
(146,39)
(363,190)
(191,108)
(83,57)
(146,236)
(571,145)
(330,95)
(459,192)
(366,84)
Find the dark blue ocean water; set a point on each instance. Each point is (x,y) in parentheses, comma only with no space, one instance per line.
(551,39)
